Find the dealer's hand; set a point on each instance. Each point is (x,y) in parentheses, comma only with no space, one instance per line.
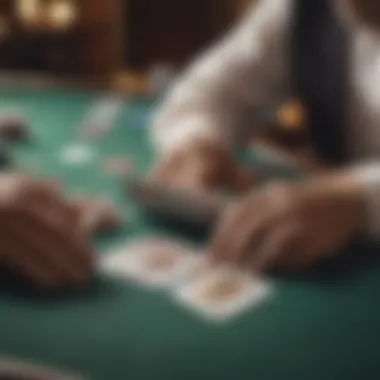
(40,235)
(200,166)
(290,226)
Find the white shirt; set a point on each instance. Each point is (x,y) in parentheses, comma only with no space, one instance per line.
(217,96)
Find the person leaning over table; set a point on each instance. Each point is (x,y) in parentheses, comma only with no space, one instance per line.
(40,235)
(290,225)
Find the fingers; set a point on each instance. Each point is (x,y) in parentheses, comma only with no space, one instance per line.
(69,260)
(44,198)
(47,255)
(57,211)
(265,245)
(305,254)
(36,195)
(179,172)
(201,166)
(278,247)
(287,227)
(74,215)
(14,256)
(166,169)
(242,224)
(69,247)
(243,179)
(41,236)
(258,232)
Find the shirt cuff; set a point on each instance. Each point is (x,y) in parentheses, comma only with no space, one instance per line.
(368,177)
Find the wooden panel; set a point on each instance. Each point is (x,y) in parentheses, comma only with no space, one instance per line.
(104,49)
(5,7)
(6,10)
(171,30)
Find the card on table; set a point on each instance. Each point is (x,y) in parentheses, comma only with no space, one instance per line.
(223,293)
(100,118)
(153,262)
(77,154)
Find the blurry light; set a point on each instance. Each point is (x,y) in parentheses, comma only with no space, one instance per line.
(28,11)
(63,13)
(56,14)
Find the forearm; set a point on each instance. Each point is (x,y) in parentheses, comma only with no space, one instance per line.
(367,178)
(212,98)
(201,105)
(362,181)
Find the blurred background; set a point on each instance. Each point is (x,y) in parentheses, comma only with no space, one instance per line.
(107,42)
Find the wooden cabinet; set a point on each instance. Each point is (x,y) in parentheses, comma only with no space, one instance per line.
(115,35)
(173,31)
(91,49)
(104,49)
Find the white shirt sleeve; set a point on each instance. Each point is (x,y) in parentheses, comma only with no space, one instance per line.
(368,176)
(243,71)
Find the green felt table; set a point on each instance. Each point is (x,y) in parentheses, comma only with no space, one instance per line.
(324,324)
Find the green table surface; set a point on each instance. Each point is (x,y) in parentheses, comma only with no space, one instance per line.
(324,324)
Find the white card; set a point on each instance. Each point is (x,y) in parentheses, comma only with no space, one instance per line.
(101,117)
(199,266)
(120,263)
(224,293)
(155,262)
(77,154)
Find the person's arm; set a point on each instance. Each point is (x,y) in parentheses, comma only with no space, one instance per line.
(290,226)
(368,178)
(244,71)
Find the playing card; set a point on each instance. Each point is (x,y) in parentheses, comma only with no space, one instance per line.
(199,265)
(76,154)
(223,293)
(101,117)
(120,263)
(153,262)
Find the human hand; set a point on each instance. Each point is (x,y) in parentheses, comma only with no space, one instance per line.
(40,235)
(203,166)
(291,226)
(198,166)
